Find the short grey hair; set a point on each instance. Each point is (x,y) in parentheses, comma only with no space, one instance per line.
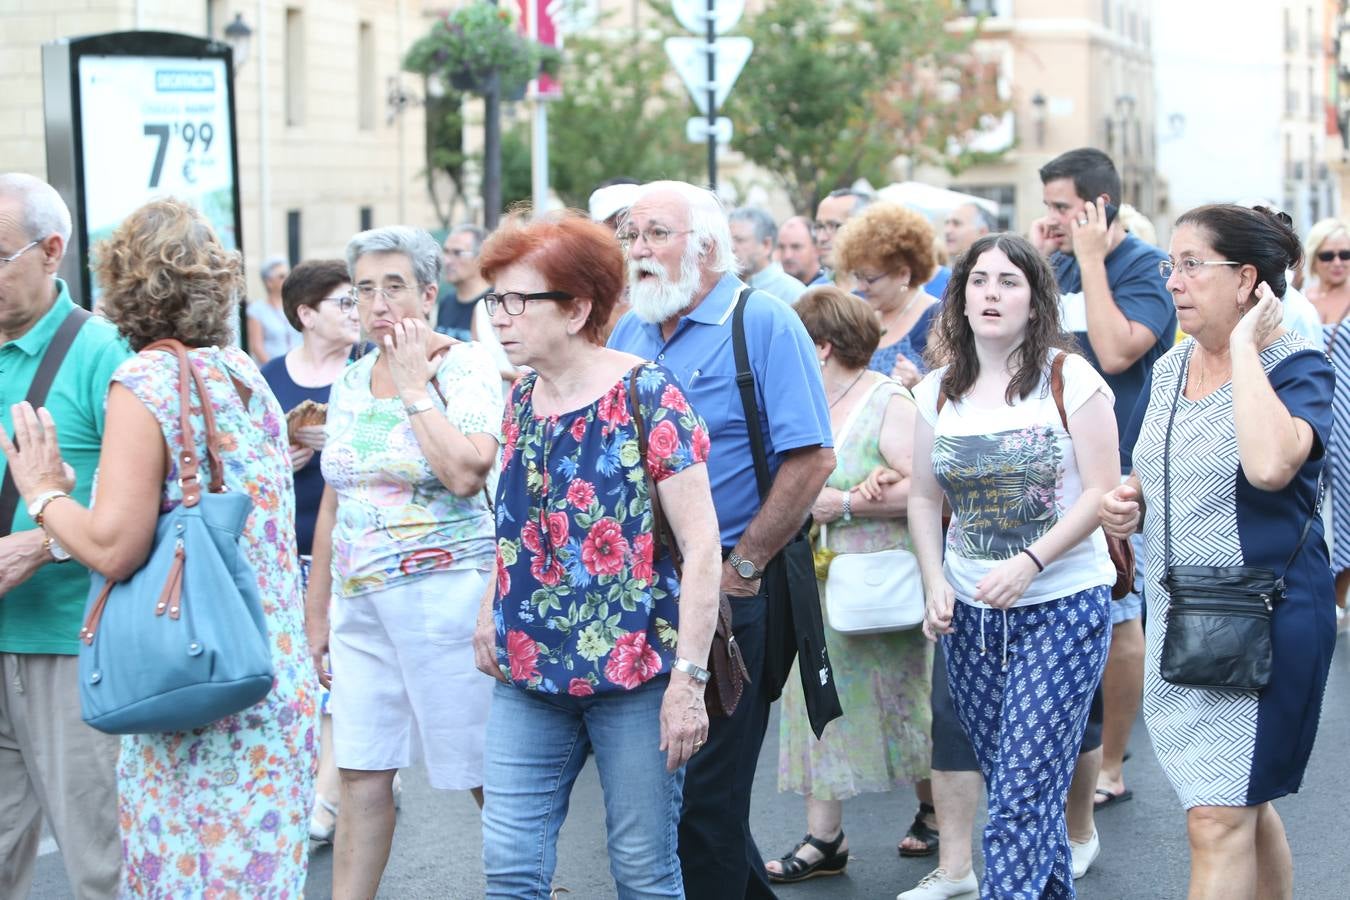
(43,211)
(479,235)
(766,229)
(861,199)
(415,243)
(270,265)
(707,220)
(984,217)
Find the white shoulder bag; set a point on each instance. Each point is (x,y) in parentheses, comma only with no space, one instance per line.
(870,593)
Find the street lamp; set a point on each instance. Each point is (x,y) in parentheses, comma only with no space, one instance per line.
(1038,103)
(238,35)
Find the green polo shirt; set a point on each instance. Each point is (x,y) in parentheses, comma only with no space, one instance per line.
(43,614)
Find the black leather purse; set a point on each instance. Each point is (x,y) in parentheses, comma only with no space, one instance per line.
(1218,622)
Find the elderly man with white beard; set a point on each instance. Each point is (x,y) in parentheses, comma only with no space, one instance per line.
(684,292)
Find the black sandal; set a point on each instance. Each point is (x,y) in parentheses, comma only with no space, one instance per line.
(797,869)
(922,832)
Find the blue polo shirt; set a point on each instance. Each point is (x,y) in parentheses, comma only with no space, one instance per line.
(792,408)
(1141,294)
(822,277)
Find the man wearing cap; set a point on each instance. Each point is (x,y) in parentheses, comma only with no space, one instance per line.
(611,200)
(753,234)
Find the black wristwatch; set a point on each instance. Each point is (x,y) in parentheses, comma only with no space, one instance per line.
(744,567)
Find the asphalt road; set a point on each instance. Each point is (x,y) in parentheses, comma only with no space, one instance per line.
(1144,853)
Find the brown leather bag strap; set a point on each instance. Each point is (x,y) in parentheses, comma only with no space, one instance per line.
(189,464)
(660,527)
(1057,387)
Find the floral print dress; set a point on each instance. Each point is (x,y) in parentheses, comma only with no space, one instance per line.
(223,811)
(883,680)
(586,602)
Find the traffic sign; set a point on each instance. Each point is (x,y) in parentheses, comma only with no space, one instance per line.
(696,129)
(693,14)
(690,58)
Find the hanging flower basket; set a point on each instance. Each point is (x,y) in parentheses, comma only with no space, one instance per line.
(469,45)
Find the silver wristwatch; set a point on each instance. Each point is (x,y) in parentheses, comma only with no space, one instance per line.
(694,671)
(744,567)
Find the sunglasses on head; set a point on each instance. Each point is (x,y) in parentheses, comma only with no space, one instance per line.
(1329,255)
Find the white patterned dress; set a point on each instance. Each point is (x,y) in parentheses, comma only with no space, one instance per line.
(1237,748)
(223,811)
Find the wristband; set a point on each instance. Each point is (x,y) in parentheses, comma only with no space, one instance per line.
(418,406)
(694,671)
(1040,566)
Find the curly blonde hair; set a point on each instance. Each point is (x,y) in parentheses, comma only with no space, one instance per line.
(164,274)
(887,236)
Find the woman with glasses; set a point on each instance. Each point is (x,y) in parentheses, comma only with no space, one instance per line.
(402,548)
(1226,467)
(316,298)
(1328,254)
(889,250)
(597,638)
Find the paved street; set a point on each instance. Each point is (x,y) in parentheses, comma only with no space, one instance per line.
(1144,855)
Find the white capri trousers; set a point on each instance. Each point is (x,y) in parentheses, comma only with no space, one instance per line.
(405,687)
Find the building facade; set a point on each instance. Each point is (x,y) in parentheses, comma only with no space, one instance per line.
(330,133)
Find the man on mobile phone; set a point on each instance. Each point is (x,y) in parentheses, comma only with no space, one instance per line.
(1118,306)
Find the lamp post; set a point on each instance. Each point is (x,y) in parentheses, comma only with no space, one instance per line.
(1038,104)
(239,36)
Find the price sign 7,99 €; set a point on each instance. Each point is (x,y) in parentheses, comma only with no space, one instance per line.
(155,127)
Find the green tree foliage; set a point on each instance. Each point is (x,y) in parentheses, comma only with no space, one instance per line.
(618,116)
(835,91)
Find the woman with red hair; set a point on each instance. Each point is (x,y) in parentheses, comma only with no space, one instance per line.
(598,640)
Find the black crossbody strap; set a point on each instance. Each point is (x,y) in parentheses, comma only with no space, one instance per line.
(52,358)
(1167,481)
(745,382)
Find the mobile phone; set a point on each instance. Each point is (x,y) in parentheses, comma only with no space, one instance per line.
(1111,211)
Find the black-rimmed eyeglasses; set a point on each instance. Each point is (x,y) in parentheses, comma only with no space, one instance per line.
(514,301)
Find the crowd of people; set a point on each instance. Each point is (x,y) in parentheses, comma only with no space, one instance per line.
(961,498)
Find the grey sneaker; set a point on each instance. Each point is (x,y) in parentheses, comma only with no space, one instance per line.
(937,886)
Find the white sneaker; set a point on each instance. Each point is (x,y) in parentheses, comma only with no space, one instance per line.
(937,886)
(1084,854)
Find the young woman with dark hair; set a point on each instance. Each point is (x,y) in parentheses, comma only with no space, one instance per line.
(1019,435)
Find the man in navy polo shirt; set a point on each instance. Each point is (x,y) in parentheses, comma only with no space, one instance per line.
(1118,306)
(683,286)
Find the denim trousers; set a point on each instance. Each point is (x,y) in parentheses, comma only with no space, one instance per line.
(536,746)
(1022,681)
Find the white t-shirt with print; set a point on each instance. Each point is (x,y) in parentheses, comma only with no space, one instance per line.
(1010,474)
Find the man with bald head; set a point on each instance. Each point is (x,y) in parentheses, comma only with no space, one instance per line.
(797,252)
(684,293)
(52,765)
(965,225)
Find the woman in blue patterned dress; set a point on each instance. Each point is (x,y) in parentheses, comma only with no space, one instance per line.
(597,644)
(1022,591)
(1328,257)
(890,252)
(220,811)
(1250,407)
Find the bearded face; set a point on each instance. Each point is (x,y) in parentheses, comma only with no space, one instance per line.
(654,294)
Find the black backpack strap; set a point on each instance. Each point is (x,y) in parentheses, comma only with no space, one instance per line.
(745,382)
(37,396)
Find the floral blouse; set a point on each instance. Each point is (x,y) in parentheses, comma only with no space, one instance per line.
(395,521)
(586,602)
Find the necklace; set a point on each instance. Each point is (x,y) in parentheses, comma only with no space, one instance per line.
(836,400)
(899,314)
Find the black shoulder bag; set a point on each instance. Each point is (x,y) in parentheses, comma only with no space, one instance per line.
(1218,622)
(793,623)
(52,358)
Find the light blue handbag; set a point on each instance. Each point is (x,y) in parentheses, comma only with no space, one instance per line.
(182,643)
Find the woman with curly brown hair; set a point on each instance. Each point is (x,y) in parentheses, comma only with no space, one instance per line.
(1019,435)
(224,807)
(889,252)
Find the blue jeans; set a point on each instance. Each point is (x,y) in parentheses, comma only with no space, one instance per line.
(537,744)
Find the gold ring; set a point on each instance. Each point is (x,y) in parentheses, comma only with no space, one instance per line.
(698,744)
